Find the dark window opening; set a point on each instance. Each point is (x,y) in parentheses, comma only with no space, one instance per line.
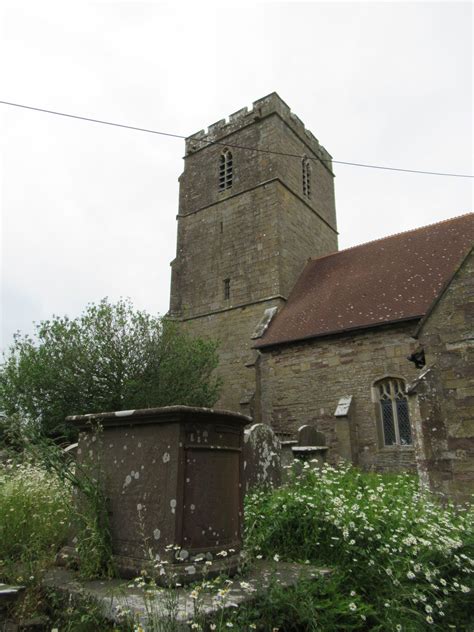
(226,289)
(306,172)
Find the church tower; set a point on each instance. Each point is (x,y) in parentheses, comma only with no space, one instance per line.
(249,218)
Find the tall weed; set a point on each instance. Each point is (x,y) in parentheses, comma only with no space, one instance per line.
(35,506)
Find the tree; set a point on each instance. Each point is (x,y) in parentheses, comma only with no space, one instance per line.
(112,357)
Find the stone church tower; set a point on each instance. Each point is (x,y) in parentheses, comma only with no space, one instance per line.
(248,221)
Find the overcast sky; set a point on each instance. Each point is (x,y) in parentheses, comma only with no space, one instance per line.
(89,211)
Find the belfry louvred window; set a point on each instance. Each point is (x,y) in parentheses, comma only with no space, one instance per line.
(225,170)
(395,419)
(306,172)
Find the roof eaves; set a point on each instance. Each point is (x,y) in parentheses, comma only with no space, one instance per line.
(335,332)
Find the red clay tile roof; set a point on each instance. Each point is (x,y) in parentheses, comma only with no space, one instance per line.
(392,279)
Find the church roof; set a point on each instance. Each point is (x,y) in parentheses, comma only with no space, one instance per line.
(384,281)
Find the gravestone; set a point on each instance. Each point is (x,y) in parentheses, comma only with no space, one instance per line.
(287,457)
(309,436)
(71,450)
(262,457)
(173,480)
(311,446)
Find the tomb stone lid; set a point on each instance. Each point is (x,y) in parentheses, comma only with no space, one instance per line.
(164,414)
(310,448)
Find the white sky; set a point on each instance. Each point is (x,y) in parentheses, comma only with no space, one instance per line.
(89,211)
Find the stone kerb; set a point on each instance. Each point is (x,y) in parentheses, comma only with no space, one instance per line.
(173,480)
(262,458)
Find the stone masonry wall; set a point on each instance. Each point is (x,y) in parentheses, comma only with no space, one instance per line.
(263,217)
(238,240)
(258,234)
(233,329)
(302,383)
(446,391)
(273,129)
(302,235)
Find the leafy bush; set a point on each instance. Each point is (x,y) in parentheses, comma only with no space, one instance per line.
(112,357)
(409,560)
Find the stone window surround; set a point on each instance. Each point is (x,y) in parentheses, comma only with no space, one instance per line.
(226,173)
(378,416)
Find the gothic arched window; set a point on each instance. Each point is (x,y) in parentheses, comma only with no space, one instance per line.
(225,170)
(395,420)
(306,170)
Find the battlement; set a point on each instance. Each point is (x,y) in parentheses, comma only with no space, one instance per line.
(270,104)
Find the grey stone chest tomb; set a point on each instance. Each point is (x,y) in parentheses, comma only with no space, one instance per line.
(173,482)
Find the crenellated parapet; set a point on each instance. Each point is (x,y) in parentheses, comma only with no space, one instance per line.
(266,106)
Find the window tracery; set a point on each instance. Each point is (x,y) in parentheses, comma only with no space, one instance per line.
(395,418)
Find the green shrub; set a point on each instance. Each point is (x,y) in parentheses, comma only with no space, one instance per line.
(111,357)
(406,557)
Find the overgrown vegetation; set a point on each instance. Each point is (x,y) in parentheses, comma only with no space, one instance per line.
(35,509)
(400,561)
(404,562)
(46,499)
(89,521)
(34,515)
(112,357)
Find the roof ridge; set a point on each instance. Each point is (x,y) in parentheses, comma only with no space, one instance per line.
(403,232)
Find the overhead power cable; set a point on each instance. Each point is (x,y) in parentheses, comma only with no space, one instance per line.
(214,142)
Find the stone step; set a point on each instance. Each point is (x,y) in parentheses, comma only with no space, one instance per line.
(116,595)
